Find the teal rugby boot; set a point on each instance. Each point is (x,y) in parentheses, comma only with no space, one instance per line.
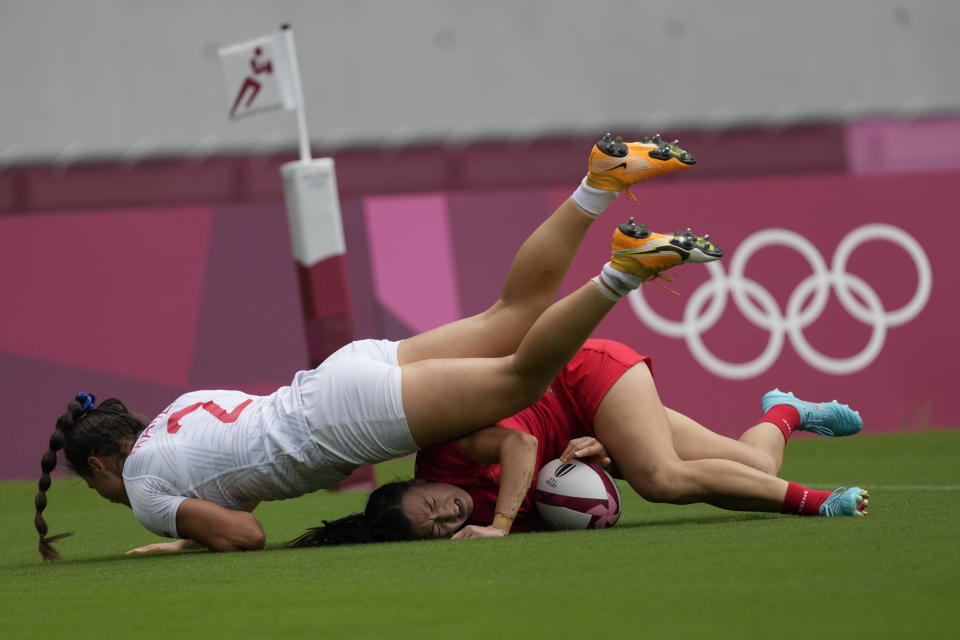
(846,502)
(828,419)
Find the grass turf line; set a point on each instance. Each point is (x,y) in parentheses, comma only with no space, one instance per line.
(664,571)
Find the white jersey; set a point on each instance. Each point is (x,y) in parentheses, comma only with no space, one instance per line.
(232,448)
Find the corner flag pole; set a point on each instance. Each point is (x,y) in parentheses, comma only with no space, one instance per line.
(297,93)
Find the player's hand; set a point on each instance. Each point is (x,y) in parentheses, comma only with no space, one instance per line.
(165,547)
(589,448)
(474,531)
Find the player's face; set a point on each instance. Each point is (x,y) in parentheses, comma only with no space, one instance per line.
(436,509)
(108,482)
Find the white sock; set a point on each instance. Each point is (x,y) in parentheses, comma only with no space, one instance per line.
(622,283)
(593,201)
(605,290)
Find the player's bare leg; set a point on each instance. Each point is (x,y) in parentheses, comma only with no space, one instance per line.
(542,261)
(643,439)
(766,438)
(445,398)
(531,284)
(760,447)
(635,428)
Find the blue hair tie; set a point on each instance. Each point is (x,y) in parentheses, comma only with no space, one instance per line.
(86,400)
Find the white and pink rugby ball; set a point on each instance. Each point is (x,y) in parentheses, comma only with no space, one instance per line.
(577,495)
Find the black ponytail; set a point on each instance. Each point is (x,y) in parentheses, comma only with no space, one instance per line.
(381,521)
(354,529)
(83,430)
(48,462)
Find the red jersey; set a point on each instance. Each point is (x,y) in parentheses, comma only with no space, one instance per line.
(566,411)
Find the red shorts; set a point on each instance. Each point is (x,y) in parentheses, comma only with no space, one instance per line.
(585,381)
(566,412)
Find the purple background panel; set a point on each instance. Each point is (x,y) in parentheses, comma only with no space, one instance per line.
(142,305)
(249,325)
(412,263)
(42,390)
(359,271)
(483,248)
(84,289)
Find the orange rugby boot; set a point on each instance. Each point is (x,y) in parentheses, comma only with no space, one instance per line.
(614,165)
(639,251)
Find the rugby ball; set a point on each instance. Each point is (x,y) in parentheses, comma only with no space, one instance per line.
(576,495)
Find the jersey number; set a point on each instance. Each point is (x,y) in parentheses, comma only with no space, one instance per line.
(211,407)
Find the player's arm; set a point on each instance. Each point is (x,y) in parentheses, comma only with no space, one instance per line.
(183,544)
(219,528)
(167,547)
(516,452)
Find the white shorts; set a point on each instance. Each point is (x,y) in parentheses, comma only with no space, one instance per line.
(353,405)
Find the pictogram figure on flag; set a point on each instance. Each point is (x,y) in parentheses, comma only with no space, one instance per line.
(250,83)
(256,76)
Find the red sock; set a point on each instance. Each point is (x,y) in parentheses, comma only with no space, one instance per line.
(801,501)
(785,417)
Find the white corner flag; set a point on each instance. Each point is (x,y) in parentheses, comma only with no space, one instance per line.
(263,74)
(257,76)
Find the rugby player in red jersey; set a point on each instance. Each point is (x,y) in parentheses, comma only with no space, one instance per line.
(602,406)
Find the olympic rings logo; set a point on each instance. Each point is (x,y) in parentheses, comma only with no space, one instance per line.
(708,302)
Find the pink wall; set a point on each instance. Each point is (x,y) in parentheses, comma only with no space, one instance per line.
(419,290)
(142,305)
(886,349)
(899,146)
(198,253)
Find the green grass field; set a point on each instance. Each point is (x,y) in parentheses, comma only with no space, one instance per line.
(662,572)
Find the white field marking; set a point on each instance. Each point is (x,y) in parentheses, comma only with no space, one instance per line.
(898,487)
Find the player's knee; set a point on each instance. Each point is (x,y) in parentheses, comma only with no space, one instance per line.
(765,463)
(523,389)
(655,482)
(666,482)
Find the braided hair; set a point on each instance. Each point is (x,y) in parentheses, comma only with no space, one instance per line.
(83,430)
(381,521)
